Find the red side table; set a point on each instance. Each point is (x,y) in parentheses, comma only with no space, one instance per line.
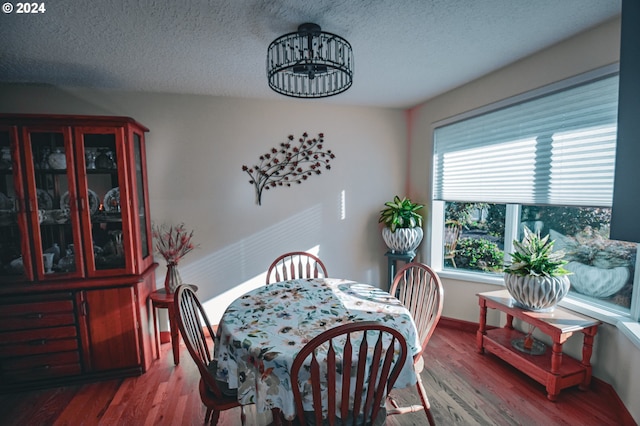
(552,368)
(160,299)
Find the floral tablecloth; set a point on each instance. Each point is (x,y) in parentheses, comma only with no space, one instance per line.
(261,332)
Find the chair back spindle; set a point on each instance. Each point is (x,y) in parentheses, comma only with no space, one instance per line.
(293,265)
(375,373)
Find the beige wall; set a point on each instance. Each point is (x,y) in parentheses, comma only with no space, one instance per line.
(616,360)
(196,147)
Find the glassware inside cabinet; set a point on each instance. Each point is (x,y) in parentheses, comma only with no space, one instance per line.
(101,162)
(55,206)
(11,261)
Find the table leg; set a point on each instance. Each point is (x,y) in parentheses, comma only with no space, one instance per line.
(482,329)
(553,392)
(587,350)
(556,358)
(156,333)
(509,323)
(553,385)
(175,336)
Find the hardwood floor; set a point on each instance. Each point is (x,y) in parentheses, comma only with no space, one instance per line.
(465,388)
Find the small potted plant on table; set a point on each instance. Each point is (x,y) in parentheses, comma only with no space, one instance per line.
(402,230)
(536,278)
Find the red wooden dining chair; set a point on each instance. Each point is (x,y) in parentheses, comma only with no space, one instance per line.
(353,388)
(193,322)
(419,289)
(296,264)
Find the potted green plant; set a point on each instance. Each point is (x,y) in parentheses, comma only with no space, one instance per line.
(402,231)
(536,278)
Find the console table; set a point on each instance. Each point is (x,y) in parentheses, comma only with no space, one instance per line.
(552,369)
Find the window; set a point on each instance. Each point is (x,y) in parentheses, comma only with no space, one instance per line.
(544,160)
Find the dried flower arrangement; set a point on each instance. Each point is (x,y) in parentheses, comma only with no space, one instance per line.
(173,242)
(291,163)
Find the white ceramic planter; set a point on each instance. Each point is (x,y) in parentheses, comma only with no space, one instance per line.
(403,240)
(537,293)
(597,282)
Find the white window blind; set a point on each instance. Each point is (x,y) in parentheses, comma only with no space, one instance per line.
(556,149)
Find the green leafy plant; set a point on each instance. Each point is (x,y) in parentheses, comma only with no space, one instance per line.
(478,254)
(496,217)
(568,220)
(535,256)
(461,212)
(401,213)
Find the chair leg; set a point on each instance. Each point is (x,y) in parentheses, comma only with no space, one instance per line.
(207,416)
(215,415)
(425,401)
(243,416)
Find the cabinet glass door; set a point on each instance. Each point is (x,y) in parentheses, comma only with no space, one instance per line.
(142,196)
(13,225)
(101,180)
(52,203)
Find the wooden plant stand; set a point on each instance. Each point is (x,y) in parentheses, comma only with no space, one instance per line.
(161,299)
(552,369)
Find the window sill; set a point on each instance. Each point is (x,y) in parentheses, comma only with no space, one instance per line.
(621,320)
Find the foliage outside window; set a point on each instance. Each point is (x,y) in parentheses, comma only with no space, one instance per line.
(480,245)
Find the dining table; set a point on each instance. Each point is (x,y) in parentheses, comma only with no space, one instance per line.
(261,332)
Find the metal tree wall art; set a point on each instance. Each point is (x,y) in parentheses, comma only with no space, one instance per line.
(294,162)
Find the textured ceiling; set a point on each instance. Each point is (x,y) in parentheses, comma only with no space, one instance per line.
(405,51)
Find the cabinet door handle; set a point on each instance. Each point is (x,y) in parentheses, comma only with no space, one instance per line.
(38,342)
(34,316)
(42,367)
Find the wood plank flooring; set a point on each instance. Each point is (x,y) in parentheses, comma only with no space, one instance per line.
(465,388)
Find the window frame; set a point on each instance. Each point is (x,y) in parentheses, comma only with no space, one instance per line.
(626,321)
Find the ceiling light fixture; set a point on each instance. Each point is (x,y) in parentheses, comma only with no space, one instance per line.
(309,63)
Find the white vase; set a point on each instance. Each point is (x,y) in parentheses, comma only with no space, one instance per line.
(537,293)
(403,240)
(597,282)
(57,160)
(172,280)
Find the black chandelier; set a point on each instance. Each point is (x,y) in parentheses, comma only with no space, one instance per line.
(309,63)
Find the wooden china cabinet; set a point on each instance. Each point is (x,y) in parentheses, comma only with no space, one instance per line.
(76,263)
